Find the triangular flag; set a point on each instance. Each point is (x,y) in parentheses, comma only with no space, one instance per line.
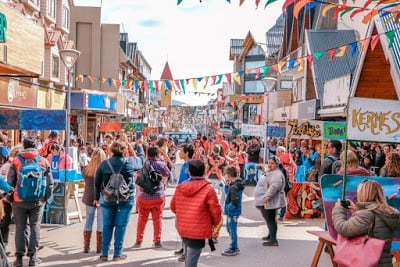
(342,51)
(340,9)
(327,8)
(390,35)
(281,64)
(183,85)
(177,84)
(310,59)
(331,53)
(299,6)
(318,55)
(374,41)
(367,18)
(267,3)
(205,84)
(156,86)
(236,77)
(141,86)
(354,47)
(291,64)
(137,86)
(146,86)
(257,73)
(248,71)
(301,64)
(311,6)
(265,70)
(219,79)
(199,79)
(229,78)
(130,84)
(179,1)
(346,11)
(275,68)
(109,81)
(167,85)
(364,44)
(194,82)
(241,2)
(286,4)
(151,85)
(214,78)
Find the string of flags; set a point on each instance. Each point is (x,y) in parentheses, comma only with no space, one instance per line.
(340,8)
(179,86)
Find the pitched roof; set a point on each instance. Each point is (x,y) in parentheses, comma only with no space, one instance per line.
(325,70)
(166,74)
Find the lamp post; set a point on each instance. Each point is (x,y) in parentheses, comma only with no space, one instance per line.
(269,84)
(69,57)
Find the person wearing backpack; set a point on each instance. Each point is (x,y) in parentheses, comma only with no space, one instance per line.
(333,150)
(31,178)
(152,203)
(116,208)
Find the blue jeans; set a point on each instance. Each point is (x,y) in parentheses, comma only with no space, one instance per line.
(192,256)
(115,216)
(90,215)
(231,227)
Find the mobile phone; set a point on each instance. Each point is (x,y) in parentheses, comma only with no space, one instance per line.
(345,203)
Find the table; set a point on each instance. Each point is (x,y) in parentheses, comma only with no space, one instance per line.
(324,239)
(72,191)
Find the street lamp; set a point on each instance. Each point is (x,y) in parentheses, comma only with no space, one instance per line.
(69,57)
(269,85)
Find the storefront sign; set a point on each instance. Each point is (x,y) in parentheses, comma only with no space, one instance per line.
(305,129)
(276,131)
(32,119)
(133,127)
(334,130)
(373,120)
(19,94)
(110,127)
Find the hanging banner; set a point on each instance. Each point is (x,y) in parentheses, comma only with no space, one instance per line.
(110,127)
(375,120)
(276,131)
(335,130)
(9,119)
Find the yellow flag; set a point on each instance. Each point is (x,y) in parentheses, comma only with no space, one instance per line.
(342,51)
(301,64)
(248,71)
(364,44)
(194,81)
(205,85)
(327,8)
(236,77)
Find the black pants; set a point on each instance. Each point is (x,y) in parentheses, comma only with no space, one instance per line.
(270,219)
(6,221)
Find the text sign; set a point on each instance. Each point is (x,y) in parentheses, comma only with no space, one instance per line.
(305,129)
(373,120)
(334,130)
(253,130)
(276,131)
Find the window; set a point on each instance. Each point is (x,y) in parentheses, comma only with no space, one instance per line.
(51,8)
(298,90)
(285,84)
(55,67)
(251,87)
(65,17)
(250,113)
(35,2)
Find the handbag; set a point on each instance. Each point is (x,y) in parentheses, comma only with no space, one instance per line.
(359,251)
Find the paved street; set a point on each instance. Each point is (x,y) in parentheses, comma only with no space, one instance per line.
(63,244)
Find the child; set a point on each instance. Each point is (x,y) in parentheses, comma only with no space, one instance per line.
(233,207)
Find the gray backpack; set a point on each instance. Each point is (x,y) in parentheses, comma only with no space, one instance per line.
(117,189)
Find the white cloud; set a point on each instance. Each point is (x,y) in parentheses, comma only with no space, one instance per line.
(193,37)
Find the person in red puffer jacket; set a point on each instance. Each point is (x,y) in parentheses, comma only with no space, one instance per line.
(197,210)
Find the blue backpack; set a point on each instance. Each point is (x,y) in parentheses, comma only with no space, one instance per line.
(31,185)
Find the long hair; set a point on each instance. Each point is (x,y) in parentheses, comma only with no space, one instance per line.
(98,156)
(371,191)
(353,162)
(393,166)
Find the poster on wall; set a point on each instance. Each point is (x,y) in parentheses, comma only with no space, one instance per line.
(373,120)
(304,201)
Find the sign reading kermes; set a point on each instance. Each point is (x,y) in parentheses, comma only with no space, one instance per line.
(373,120)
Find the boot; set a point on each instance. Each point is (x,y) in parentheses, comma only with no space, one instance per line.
(18,262)
(86,241)
(98,241)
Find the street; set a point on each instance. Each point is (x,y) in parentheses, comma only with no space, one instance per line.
(63,244)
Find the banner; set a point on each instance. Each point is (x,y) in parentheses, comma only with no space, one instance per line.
(334,130)
(375,120)
(253,130)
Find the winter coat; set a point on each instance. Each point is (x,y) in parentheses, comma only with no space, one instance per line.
(64,161)
(274,190)
(233,201)
(195,204)
(358,224)
(253,152)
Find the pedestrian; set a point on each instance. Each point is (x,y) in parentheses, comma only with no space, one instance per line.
(195,204)
(233,207)
(116,214)
(269,197)
(392,166)
(333,149)
(152,203)
(59,160)
(353,166)
(31,211)
(88,199)
(371,207)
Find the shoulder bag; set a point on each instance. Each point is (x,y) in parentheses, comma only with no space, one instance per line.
(359,251)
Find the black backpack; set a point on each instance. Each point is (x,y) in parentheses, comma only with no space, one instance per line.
(148,178)
(335,165)
(117,189)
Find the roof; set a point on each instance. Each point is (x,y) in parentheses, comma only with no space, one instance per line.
(325,70)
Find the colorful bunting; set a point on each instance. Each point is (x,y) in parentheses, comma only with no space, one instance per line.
(374,41)
(390,35)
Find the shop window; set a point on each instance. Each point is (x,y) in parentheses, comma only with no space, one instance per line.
(55,71)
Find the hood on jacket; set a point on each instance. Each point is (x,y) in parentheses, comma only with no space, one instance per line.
(391,218)
(192,187)
(29,153)
(239,183)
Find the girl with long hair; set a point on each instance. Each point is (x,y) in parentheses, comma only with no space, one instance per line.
(98,156)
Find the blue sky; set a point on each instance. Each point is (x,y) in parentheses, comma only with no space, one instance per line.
(193,37)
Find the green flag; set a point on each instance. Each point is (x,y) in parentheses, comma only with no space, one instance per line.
(269,2)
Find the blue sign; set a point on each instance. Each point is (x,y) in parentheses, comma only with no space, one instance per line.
(276,131)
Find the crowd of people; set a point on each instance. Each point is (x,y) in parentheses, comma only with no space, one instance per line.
(210,183)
